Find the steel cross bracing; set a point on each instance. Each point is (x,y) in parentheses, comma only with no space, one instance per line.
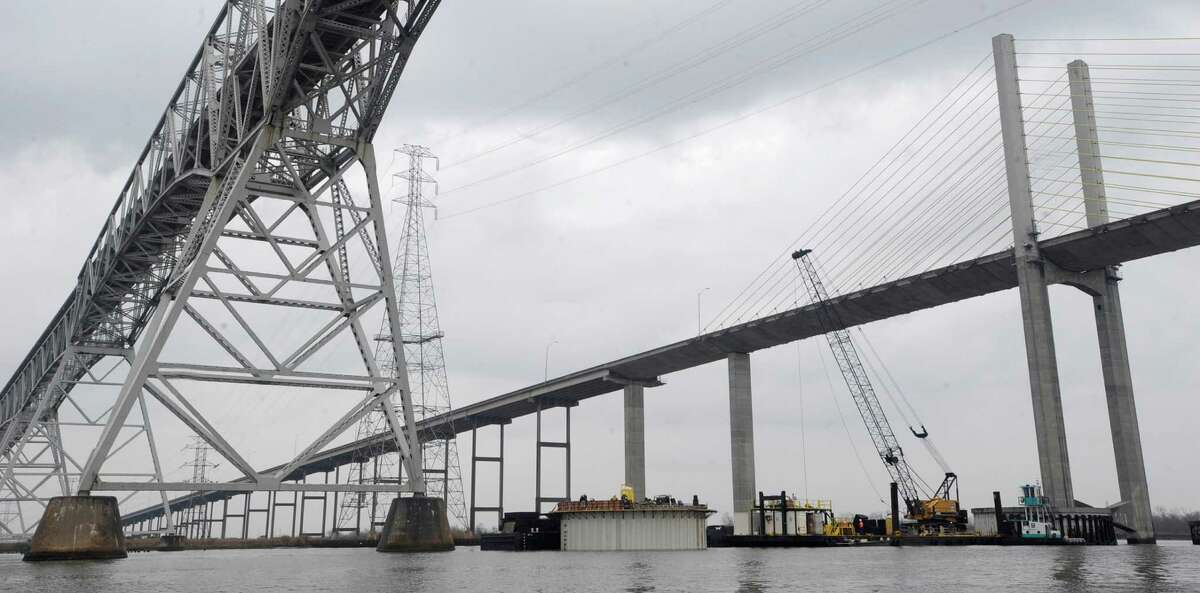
(280,101)
(421,336)
(39,466)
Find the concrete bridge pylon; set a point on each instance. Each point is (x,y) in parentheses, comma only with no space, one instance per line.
(1035,273)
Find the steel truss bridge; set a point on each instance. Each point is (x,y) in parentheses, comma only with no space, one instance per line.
(273,114)
(262,137)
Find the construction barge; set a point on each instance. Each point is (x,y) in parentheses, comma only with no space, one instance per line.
(617,524)
(780,521)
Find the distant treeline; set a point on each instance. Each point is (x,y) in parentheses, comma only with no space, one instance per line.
(1173,523)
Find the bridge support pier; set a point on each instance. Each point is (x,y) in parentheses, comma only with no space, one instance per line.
(1048,422)
(635,439)
(78,528)
(1134,509)
(498,459)
(741,438)
(565,445)
(416,524)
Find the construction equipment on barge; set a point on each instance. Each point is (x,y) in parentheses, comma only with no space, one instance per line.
(931,513)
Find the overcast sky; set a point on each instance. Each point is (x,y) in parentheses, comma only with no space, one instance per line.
(611,264)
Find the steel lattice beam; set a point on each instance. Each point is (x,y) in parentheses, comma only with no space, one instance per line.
(235,85)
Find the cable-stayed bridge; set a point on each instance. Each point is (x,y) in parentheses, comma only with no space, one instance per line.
(1115,243)
(241,207)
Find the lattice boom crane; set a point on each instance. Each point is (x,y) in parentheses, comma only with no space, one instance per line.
(938,508)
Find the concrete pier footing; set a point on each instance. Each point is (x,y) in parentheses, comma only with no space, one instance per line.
(171,542)
(416,524)
(78,528)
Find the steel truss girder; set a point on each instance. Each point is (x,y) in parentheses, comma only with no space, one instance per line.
(249,487)
(322,70)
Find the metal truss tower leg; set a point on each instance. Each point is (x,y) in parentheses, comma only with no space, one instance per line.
(272,170)
(38,467)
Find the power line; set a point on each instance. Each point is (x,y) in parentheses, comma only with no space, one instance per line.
(585,73)
(781,260)
(737,78)
(704,57)
(771,106)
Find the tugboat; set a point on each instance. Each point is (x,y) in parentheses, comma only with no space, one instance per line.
(1038,522)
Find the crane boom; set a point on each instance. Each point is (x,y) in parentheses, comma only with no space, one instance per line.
(859,384)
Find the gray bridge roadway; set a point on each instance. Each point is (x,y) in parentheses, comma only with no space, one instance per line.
(1117,242)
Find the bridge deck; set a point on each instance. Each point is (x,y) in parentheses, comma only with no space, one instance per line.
(1154,233)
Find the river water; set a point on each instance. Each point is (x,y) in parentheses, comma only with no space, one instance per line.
(1171,566)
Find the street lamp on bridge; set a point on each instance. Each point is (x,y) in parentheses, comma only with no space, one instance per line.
(699,323)
(546,362)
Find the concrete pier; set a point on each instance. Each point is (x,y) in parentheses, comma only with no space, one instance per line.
(416,524)
(741,439)
(172,542)
(1134,510)
(1048,422)
(635,439)
(78,528)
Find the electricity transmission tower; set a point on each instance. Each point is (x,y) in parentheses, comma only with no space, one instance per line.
(197,523)
(10,514)
(421,335)
(199,463)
